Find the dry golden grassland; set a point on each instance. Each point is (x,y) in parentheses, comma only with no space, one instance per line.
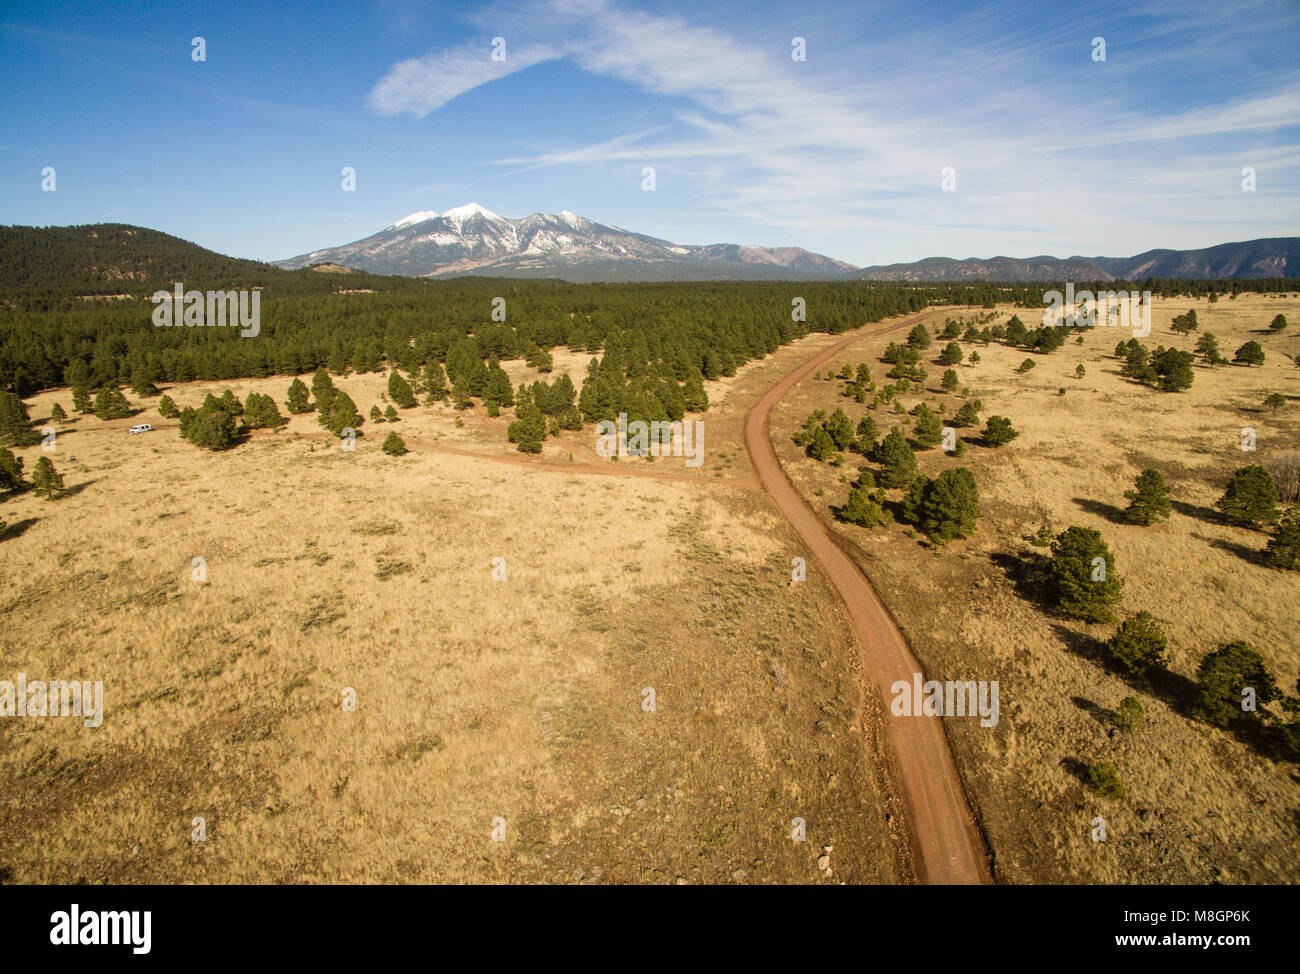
(520,699)
(1201,804)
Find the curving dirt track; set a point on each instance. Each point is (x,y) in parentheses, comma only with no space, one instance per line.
(946,845)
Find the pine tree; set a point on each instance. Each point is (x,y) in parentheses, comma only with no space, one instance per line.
(1221,678)
(998,431)
(1139,644)
(167,408)
(1278,323)
(375,415)
(390,414)
(968,414)
(324,393)
(1251,353)
(949,382)
(1283,549)
(15,423)
(529,430)
(866,435)
(840,428)
(343,415)
(950,505)
(919,337)
(81,400)
(1173,369)
(46,481)
(11,472)
(862,508)
(1149,499)
(898,462)
(393,445)
(1080,371)
(57,415)
(1207,346)
(399,390)
(1250,497)
(111,404)
(951,354)
(297,402)
(1082,572)
(928,429)
(821,446)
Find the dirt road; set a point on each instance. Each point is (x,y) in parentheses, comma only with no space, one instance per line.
(946,845)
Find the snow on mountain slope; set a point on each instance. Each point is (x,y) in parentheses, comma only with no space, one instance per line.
(473,239)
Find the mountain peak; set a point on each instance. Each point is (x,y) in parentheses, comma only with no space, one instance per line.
(458,214)
(417,217)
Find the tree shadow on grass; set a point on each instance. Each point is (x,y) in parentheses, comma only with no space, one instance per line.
(1028,575)
(1254,556)
(1113,514)
(1097,712)
(1207,514)
(1078,769)
(18,528)
(77,488)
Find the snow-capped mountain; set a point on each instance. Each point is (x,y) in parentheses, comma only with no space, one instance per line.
(472,240)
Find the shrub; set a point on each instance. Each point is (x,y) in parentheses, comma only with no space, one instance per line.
(1104,779)
(863,508)
(1129,714)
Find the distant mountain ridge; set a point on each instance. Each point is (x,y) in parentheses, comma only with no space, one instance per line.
(1263,258)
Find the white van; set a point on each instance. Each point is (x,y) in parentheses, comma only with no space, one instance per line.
(142,428)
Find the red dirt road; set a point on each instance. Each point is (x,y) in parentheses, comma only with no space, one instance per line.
(946,845)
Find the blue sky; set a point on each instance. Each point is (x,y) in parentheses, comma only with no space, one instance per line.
(841,153)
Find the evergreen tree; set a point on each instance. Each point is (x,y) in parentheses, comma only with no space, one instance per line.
(1149,499)
(231,404)
(1173,369)
(324,392)
(928,429)
(529,430)
(862,508)
(390,414)
(1207,346)
(375,415)
(81,400)
(896,459)
(399,390)
(57,415)
(212,427)
(1274,401)
(1026,365)
(297,402)
(167,408)
(950,381)
(1283,550)
(15,423)
(840,428)
(1084,586)
(919,337)
(111,404)
(46,481)
(968,414)
(1080,371)
(11,472)
(821,445)
(261,412)
(1139,644)
(866,435)
(998,431)
(343,414)
(1221,678)
(141,384)
(460,394)
(1251,497)
(1278,323)
(1251,353)
(393,444)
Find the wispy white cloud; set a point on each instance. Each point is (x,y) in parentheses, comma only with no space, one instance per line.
(843,153)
